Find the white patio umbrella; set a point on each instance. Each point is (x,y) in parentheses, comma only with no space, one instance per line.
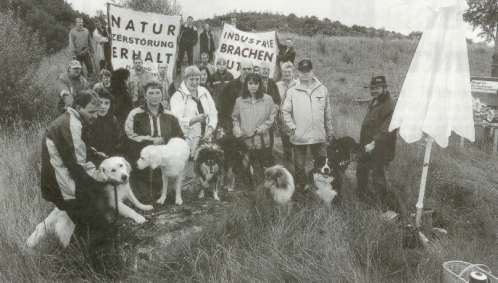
(435,98)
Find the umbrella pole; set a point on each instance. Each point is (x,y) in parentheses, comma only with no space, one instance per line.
(423,181)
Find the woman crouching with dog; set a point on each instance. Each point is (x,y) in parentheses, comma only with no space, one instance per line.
(253,116)
(194,107)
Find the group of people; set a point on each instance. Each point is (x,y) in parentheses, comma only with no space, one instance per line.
(126,111)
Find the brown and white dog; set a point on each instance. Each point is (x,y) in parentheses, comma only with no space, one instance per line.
(172,159)
(115,172)
(280,183)
(208,168)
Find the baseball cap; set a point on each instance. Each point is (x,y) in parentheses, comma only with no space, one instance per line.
(378,81)
(74,64)
(305,65)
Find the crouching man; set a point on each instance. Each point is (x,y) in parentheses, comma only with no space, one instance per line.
(69,180)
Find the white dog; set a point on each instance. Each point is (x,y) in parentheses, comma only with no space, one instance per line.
(115,171)
(280,183)
(172,159)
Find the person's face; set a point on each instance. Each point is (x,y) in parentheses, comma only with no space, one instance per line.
(79,23)
(265,72)
(289,43)
(190,20)
(138,65)
(252,86)
(256,70)
(204,58)
(90,112)
(306,76)
(204,77)
(153,96)
(376,90)
(206,27)
(67,98)
(233,20)
(106,81)
(163,71)
(244,70)
(74,72)
(192,82)
(287,74)
(221,67)
(105,105)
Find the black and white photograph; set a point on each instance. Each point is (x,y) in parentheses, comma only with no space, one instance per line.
(249,141)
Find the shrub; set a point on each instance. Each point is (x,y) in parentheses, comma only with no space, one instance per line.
(20,54)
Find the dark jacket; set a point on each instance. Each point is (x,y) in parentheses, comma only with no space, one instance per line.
(375,127)
(227,101)
(106,135)
(286,54)
(188,36)
(65,172)
(218,83)
(141,122)
(206,42)
(270,88)
(121,103)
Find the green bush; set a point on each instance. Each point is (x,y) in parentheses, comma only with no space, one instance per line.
(20,53)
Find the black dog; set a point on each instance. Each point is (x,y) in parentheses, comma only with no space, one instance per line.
(236,157)
(342,152)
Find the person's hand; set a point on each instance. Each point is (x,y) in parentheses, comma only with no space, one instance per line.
(369,147)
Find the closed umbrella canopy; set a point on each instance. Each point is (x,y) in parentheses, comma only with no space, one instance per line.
(435,98)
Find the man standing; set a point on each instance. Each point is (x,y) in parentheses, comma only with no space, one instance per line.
(286,53)
(283,85)
(138,78)
(378,145)
(80,44)
(168,87)
(230,93)
(308,116)
(206,63)
(69,180)
(187,40)
(72,80)
(207,42)
(220,79)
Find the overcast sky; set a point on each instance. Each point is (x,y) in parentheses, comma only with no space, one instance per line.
(399,15)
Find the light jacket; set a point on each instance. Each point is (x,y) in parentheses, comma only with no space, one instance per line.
(184,107)
(249,116)
(65,170)
(308,111)
(79,40)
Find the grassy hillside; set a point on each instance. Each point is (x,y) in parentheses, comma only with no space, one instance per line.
(347,244)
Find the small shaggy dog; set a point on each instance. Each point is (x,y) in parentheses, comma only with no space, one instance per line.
(115,172)
(321,180)
(208,168)
(280,183)
(172,159)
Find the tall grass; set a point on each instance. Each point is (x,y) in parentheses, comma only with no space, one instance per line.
(253,243)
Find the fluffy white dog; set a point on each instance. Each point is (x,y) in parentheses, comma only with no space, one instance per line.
(115,172)
(172,159)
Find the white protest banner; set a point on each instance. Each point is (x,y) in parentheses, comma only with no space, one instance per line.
(236,46)
(148,35)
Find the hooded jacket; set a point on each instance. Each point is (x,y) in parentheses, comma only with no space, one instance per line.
(308,111)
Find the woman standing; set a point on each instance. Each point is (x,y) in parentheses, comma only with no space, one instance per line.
(253,116)
(194,107)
